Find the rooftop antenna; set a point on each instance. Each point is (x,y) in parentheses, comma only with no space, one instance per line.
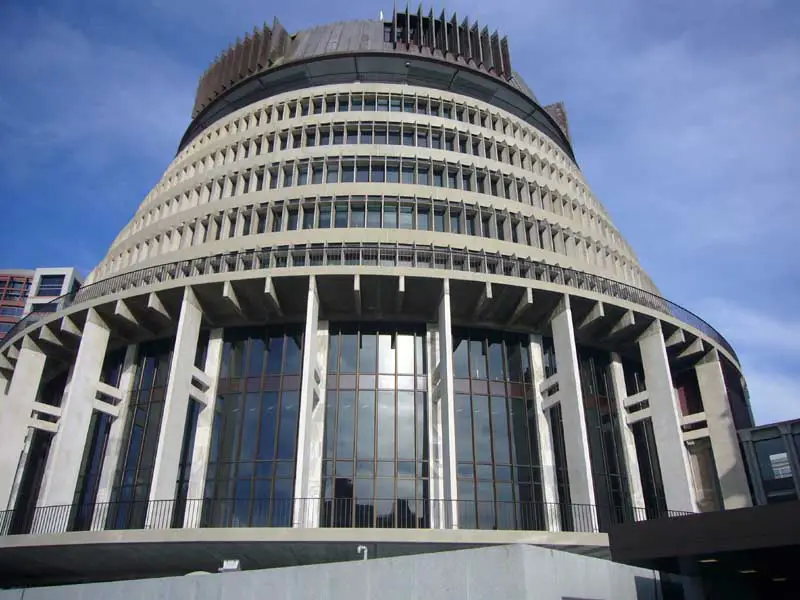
(380,16)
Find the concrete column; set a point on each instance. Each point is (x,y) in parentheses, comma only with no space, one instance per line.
(311,417)
(724,440)
(628,443)
(17,406)
(579,470)
(69,443)
(672,457)
(545,438)
(202,436)
(446,401)
(173,421)
(436,485)
(114,444)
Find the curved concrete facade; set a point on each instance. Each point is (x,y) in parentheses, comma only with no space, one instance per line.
(550,386)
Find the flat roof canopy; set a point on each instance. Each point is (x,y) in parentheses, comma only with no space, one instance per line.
(753,546)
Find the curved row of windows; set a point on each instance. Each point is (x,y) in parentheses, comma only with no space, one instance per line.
(376,169)
(386,212)
(357,102)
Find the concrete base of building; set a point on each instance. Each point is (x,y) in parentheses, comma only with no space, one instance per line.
(511,572)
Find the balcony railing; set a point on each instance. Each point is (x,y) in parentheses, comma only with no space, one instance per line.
(322,513)
(375,255)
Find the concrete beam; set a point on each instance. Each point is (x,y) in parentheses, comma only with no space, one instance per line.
(545,438)
(617,372)
(485,299)
(357,293)
(12,353)
(672,456)
(598,312)
(722,432)
(106,408)
(64,460)
(46,335)
(628,319)
(696,434)
(5,363)
(155,305)
(635,398)
(272,296)
(446,399)
(401,293)
(579,470)
(524,303)
(42,426)
(696,347)
(122,310)
(176,405)
(69,326)
(677,337)
(17,404)
(639,415)
(229,294)
(110,391)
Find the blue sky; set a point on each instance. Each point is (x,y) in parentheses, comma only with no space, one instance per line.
(684,115)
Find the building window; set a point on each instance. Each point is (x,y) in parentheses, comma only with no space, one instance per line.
(499,472)
(775,470)
(375,461)
(251,468)
(140,440)
(50,285)
(604,439)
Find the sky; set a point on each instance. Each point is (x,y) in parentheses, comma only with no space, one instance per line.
(684,117)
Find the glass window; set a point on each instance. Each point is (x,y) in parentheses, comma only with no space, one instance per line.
(377,175)
(383,104)
(406,216)
(366,133)
(324,216)
(356,103)
(393,172)
(408,136)
(423,174)
(357,216)
(332,175)
(438,220)
(395,104)
(390,216)
(408,173)
(455,222)
(341,215)
(436,140)
(316,174)
(292,222)
(352,135)
(423,218)
(302,174)
(50,285)
(348,172)
(380,134)
(362,173)
(373,214)
(308,217)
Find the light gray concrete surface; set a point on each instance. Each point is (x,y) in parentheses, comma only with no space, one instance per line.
(510,572)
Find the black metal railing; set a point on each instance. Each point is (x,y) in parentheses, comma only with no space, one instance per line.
(378,513)
(380,255)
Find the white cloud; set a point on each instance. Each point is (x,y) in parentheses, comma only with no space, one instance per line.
(753,330)
(86,101)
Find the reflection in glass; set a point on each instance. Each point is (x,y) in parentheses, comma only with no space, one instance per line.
(140,440)
(251,467)
(375,469)
(605,442)
(499,475)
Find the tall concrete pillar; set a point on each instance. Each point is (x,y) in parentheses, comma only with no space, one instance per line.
(176,405)
(16,413)
(579,468)
(628,443)
(311,417)
(545,439)
(436,487)
(115,437)
(67,449)
(446,399)
(672,457)
(204,431)
(722,431)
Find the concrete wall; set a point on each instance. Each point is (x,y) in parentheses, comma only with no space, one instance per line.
(509,572)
